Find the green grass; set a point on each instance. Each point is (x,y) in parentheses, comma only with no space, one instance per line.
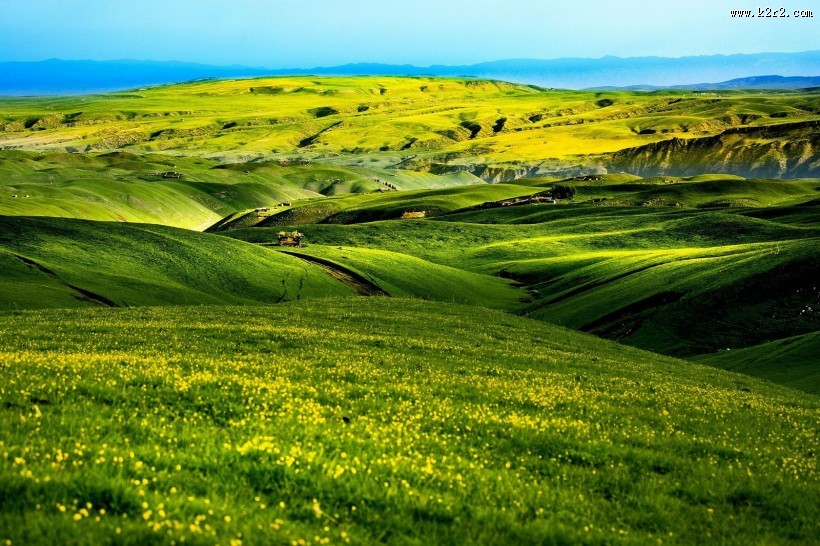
(706,192)
(125,187)
(47,262)
(791,361)
(680,281)
(402,275)
(350,209)
(416,123)
(374,420)
(177,402)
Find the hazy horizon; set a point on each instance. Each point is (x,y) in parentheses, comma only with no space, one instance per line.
(367,62)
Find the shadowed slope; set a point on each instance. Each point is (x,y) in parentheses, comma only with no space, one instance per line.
(47,262)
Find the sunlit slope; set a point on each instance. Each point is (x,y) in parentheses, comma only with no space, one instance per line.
(390,205)
(403,275)
(705,191)
(792,361)
(790,149)
(674,280)
(122,186)
(55,262)
(481,203)
(495,129)
(435,424)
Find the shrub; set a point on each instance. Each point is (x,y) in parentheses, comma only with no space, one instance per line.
(560,191)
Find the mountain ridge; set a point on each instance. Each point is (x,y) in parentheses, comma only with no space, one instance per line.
(56,76)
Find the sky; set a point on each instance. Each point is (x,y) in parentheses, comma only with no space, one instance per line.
(310,33)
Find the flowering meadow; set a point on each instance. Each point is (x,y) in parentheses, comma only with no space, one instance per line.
(376,420)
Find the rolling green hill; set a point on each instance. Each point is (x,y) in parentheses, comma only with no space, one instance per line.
(55,262)
(791,361)
(351,209)
(496,130)
(121,186)
(411,376)
(701,191)
(402,275)
(380,420)
(480,204)
(58,263)
(681,281)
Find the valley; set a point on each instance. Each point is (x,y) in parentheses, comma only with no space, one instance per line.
(502,314)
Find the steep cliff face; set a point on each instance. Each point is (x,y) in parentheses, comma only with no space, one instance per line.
(781,151)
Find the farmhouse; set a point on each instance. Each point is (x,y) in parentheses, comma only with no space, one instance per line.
(290,238)
(171,174)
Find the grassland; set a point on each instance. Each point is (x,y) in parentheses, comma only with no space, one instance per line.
(681,280)
(171,376)
(497,130)
(120,186)
(791,361)
(311,421)
(58,263)
(402,275)
(681,266)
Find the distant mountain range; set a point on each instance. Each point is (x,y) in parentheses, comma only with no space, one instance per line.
(748,71)
(753,82)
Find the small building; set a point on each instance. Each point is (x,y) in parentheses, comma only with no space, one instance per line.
(171,174)
(413,214)
(290,238)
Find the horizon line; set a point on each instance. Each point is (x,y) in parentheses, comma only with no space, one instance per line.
(418,66)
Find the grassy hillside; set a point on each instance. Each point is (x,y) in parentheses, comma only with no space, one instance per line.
(791,361)
(470,204)
(700,191)
(126,187)
(46,262)
(433,424)
(681,281)
(351,209)
(497,130)
(176,404)
(402,275)
(473,202)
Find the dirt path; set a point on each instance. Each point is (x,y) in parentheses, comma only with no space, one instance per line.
(361,285)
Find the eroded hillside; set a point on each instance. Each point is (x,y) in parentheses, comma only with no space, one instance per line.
(498,131)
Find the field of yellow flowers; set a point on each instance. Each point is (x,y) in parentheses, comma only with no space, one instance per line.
(374,420)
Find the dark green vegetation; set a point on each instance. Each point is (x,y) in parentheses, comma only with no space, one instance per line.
(433,424)
(354,411)
(791,361)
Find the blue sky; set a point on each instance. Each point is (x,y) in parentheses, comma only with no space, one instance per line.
(307,33)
